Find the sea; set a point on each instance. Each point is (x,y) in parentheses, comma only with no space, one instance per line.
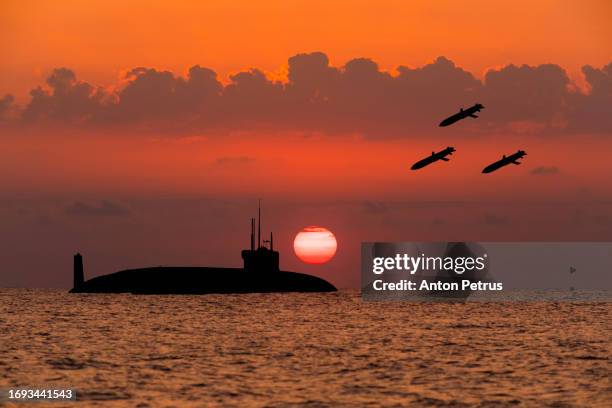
(307,350)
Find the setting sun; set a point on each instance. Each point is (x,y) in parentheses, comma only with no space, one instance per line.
(315,245)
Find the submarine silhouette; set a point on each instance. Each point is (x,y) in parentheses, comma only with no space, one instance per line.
(505,161)
(462,114)
(441,155)
(260,274)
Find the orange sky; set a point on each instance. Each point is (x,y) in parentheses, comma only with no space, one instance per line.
(302,168)
(101,38)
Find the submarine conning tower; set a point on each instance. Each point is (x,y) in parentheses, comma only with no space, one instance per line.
(262,258)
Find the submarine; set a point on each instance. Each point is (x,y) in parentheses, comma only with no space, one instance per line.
(261,274)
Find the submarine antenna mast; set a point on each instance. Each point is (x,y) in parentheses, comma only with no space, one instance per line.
(259,225)
(79,277)
(252,234)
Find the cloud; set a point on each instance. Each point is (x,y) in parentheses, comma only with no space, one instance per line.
(593,112)
(67,99)
(539,94)
(222,161)
(357,97)
(7,106)
(544,170)
(106,208)
(153,94)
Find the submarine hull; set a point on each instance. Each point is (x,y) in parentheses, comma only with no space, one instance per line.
(202,280)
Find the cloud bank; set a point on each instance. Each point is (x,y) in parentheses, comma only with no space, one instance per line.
(317,97)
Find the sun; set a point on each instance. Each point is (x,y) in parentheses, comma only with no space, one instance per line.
(315,245)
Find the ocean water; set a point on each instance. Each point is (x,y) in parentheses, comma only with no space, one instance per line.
(305,350)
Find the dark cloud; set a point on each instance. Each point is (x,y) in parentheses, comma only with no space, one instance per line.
(222,161)
(441,82)
(526,93)
(544,170)
(153,94)
(317,97)
(149,93)
(250,100)
(67,99)
(7,106)
(593,112)
(105,208)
